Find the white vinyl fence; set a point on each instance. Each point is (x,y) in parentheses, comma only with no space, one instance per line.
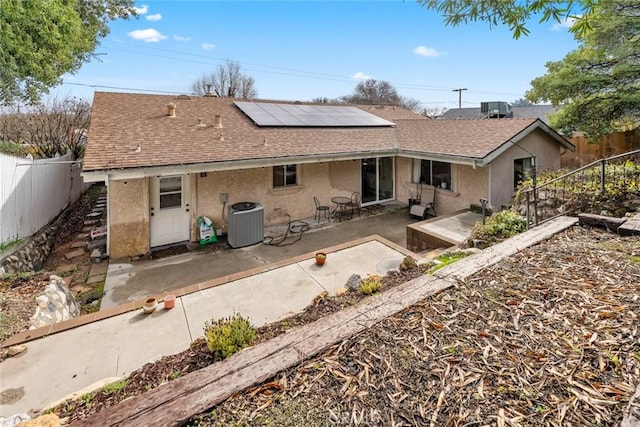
(33,192)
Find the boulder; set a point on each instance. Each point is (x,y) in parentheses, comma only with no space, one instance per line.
(55,304)
(47,420)
(353,283)
(408,263)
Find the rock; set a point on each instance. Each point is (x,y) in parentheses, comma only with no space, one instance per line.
(55,304)
(408,263)
(16,349)
(341,291)
(14,420)
(353,283)
(322,295)
(47,420)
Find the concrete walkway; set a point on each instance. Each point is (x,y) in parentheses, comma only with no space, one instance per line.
(131,281)
(62,363)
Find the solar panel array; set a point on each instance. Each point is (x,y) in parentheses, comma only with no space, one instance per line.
(296,115)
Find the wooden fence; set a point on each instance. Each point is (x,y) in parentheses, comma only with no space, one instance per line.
(611,145)
(33,192)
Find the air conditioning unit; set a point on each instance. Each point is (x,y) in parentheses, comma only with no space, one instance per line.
(246,224)
(495,109)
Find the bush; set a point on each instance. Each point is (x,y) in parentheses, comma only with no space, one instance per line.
(228,335)
(501,225)
(370,285)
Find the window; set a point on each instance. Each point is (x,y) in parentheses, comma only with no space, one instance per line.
(433,173)
(171,192)
(522,169)
(285,176)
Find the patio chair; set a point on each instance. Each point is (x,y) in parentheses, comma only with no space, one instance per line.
(427,203)
(321,210)
(354,204)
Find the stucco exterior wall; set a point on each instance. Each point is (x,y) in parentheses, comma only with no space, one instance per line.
(469,185)
(322,180)
(547,153)
(403,176)
(128,217)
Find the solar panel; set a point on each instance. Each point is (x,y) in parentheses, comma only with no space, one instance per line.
(294,115)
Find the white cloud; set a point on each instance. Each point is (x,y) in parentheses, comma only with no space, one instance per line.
(181,38)
(142,9)
(154,17)
(149,35)
(429,52)
(208,46)
(566,23)
(361,76)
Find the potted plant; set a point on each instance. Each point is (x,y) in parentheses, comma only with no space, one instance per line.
(169,301)
(321,257)
(149,305)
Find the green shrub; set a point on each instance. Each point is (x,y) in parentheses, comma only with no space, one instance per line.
(501,225)
(228,335)
(13,149)
(370,285)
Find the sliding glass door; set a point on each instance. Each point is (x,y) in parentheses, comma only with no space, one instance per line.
(377,180)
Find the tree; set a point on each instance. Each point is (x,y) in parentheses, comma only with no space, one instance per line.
(49,129)
(515,13)
(381,92)
(227,81)
(521,102)
(43,39)
(596,86)
(433,112)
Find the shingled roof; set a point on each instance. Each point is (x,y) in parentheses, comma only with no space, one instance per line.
(526,112)
(132,131)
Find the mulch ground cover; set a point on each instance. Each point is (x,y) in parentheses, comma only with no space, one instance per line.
(547,337)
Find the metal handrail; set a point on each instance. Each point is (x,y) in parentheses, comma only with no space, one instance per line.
(583,168)
(532,194)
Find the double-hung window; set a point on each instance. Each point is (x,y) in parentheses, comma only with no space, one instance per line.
(285,176)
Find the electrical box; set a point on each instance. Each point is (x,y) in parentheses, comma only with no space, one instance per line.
(224,197)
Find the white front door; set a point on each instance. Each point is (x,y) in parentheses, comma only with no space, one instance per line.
(169,204)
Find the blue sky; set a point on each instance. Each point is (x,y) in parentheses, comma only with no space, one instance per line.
(300,50)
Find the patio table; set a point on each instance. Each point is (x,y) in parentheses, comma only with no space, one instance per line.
(341,206)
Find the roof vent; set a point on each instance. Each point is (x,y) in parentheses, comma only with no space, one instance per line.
(171,109)
(208,92)
(200,124)
(218,124)
(183,97)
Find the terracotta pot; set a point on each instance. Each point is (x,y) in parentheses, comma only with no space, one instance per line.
(321,257)
(150,305)
(169,301)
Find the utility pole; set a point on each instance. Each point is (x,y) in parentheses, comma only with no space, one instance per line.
(459,96)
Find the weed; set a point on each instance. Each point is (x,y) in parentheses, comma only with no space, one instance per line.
(9,243)
(370,285)
(228,335)
(175,375)
(115,387)
(446,259)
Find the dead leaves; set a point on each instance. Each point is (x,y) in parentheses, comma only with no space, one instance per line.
(548,337)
